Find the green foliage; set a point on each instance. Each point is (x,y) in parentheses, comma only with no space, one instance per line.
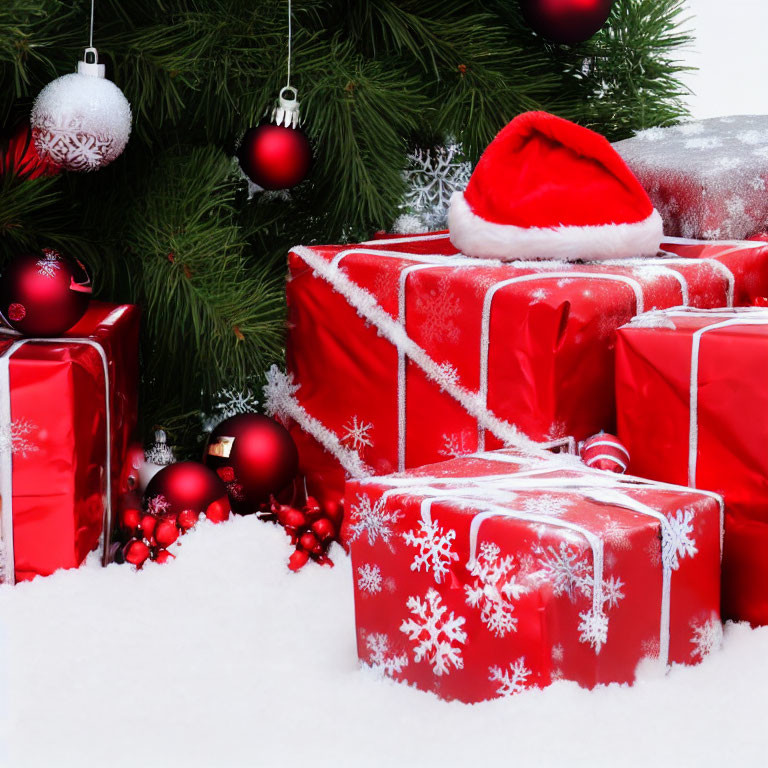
(170,225)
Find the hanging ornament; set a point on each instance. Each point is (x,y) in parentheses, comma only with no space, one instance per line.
(44,293)
(566,21)
(185,485)
(157,456)
(81,121)
(277,154)
(604,451)
(20,157)
(254,456)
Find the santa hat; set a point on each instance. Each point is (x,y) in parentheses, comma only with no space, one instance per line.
(546,188)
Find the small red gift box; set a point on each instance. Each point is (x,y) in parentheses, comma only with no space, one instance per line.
(68,409)
(693,408)
(402,352)
(487,574)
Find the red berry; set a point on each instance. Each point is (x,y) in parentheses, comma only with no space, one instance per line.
(218,511)
(130,519)
(148,523)
(163,556)
(291,518)
(297,560)
(187,519)
(136,552)
(324,529)
(334,510)
(166,533)
(312,506)
(308,541)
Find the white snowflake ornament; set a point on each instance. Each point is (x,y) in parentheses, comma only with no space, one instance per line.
(435,548)
(81,121)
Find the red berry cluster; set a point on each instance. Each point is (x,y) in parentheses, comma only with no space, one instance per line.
(312,529)
(152,532)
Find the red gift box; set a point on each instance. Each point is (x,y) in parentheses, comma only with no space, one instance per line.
(487,574)
(402,352)
(692,404)
(68,409)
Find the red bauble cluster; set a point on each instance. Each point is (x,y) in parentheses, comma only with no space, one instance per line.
(604,451)
(566,21)
(175,499)
(254,456)
(20,157)
(44,293)
(275,157)
(311,529)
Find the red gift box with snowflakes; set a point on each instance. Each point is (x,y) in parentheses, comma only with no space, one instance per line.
(707,178)
(488,574)
(402,352)
(692,405)
(68,409)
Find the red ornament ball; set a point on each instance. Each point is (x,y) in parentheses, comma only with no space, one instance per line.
(44,294)
(136,552)
(256,454)
(604,451)
(182,487)
(20,157)
(566,21)
(275,157)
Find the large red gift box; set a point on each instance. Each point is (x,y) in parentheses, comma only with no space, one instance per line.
(68,409)
(402,352)
(693,408)
(487,574)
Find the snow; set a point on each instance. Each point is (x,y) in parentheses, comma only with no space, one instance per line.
(225,658)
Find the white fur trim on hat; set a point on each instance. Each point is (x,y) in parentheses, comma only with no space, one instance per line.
(475,236)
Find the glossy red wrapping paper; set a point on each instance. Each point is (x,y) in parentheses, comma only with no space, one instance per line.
(485,575)
(693,408)
(539,334)
(56,465)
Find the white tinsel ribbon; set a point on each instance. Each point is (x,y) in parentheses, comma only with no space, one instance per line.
(6,455)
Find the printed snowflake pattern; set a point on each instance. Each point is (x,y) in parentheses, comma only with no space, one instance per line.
(678,540)
(707,637)
(435,548)
(547,505)
(437,637)
(16,439)
(593,628)
(76,149)
(369,578)
(458,445)
(437,309)
(494,589)
(49,264)
(373,520)
(511,681)
(356,434)
(380,658)
(566,570)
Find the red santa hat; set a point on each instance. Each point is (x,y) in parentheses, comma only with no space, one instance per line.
(546,188)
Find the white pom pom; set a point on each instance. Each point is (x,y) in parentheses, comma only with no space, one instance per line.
(81,121)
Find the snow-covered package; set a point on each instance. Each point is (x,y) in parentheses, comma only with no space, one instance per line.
(68,410)
(487,574)
(707,178)
(402,352)
(693,408)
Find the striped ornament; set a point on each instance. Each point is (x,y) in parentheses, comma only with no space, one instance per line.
(604,451)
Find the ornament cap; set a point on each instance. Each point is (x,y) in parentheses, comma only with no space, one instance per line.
(286,113)
(90,64)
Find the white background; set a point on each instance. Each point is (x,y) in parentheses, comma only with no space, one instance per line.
(731,52)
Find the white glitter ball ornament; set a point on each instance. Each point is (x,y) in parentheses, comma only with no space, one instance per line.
(81,121)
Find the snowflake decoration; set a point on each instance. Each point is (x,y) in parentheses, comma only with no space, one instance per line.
(380,658)
(678,540)
(707,637)
(75,149)
(446,376)
(432,178)
(357,434)
(372,519)
(617,535)
(437,636)
(612,591)
(48,265)
(547,505)
(16,438)
(369,578)
(434,548)
(538,295)
(438,308)
(511,681)
(230,402)
(567,571)
(593,628)
(457,445)
(494,589)
(158,505)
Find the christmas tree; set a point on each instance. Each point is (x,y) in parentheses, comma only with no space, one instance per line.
(171,225)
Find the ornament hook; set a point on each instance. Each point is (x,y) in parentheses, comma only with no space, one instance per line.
(286,112)
(90,64)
